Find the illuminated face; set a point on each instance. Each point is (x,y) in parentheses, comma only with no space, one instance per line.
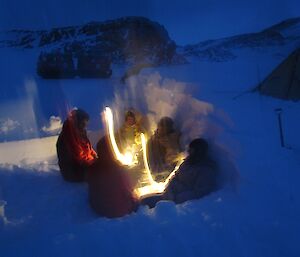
(130,121)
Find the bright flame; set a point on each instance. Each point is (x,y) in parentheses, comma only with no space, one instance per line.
(128,159)
(144,147)
(125,159)
(154,186)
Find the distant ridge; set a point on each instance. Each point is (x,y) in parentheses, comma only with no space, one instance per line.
(140,40)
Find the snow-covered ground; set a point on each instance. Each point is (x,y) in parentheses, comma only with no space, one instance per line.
(41,215)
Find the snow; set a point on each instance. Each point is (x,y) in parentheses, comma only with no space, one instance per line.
(54,127)
(8,125)
(28,152)
(41,215)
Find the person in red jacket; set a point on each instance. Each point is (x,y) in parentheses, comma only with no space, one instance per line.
(111,193)
(74,151)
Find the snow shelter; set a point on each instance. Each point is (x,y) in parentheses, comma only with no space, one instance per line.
(58,65)
(55,65)
(284,81)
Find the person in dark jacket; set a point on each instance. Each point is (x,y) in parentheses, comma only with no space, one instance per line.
(164,147)
(111,193)
(195,178)
(74,151)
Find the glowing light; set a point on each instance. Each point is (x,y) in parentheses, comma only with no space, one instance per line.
(154,187)
(128,159)
(125,159)
(144,147)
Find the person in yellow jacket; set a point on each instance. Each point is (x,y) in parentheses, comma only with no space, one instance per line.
(130,131)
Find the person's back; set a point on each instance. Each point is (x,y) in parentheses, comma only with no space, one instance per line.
(193,181)
(110,190)
(74,150)
(206,181)
(196,177)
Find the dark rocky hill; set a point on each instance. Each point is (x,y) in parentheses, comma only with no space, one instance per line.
(129,39)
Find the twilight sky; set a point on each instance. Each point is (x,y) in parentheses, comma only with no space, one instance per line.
(188,21)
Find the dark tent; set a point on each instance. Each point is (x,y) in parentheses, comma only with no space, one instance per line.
(284,81)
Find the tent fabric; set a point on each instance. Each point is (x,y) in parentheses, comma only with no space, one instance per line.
(284,81)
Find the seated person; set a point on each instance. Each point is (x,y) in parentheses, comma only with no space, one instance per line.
(129,133)
(163,147)
(110,190)
(196,177)
(74,151)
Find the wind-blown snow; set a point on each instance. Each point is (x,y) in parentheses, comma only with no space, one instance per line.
(157,97)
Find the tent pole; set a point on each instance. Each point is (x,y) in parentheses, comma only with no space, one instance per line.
(279,111)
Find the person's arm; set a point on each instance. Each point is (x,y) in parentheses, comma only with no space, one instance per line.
(83,153)
(173,188)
